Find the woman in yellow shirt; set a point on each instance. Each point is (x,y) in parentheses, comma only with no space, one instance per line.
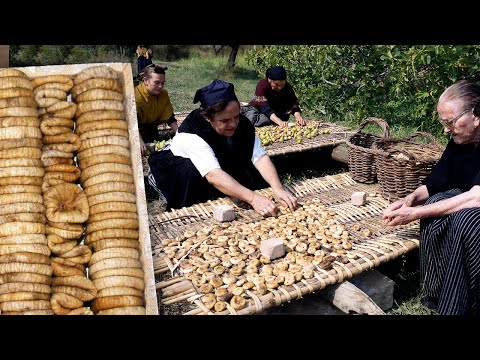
(153,105)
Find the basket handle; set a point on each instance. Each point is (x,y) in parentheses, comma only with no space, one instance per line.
(380,122)
(431,139)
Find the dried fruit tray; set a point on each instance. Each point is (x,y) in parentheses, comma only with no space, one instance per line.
(327,134)
(182,239)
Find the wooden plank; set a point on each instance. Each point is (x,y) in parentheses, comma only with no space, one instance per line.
(4,56)
(125,69)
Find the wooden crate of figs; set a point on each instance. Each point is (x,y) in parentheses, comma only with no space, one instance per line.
(74,237)
(220,267)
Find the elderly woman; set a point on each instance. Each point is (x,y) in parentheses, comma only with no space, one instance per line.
(216,152)
(274,101)
(450,211)
(153,105)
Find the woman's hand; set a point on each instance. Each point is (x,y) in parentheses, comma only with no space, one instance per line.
(400,212)
(264,206)
(393,206)
(284,197)
(299,119)
(400,216)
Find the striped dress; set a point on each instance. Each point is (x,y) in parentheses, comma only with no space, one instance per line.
(450,245)
(450,259)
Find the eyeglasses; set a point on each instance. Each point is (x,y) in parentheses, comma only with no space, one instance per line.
(451,123)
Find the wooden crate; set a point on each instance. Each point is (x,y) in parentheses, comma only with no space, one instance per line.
(125,70)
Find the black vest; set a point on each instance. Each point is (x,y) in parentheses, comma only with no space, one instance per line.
(234,153)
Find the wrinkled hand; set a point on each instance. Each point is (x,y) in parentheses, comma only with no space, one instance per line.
(392,210)
(400,216)
(393,206)
(264,206)
(285,198)
(283,124)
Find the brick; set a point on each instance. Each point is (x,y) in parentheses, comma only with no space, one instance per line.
(359,198)
(272,248)
(224,213)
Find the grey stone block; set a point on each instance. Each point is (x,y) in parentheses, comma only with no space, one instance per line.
(224,213)
(359,198)
(272,248)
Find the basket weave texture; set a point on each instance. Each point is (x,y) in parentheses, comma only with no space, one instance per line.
(402,164)
(361,155)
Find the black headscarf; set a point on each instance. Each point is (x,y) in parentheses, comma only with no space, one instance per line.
(214,92)
(276,73)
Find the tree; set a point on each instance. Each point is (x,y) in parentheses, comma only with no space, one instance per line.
(399,83)
(232,57)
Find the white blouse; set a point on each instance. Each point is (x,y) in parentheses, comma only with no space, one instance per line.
(196,149)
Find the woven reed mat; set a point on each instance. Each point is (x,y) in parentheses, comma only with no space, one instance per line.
(369,244)
(329,135)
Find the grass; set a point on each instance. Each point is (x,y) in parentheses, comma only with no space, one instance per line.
(184,77)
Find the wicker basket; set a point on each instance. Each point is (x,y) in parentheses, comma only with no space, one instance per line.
(402,164)
(361,156)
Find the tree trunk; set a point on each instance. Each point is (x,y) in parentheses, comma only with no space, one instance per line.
(232,57)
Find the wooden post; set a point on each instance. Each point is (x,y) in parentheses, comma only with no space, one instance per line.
(4,56)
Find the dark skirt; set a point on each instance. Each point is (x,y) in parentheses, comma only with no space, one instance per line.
(450,259)
(149,132)
(257,118)
(182,185)
(142,63)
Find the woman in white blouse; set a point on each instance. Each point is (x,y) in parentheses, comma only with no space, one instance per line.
(216,152)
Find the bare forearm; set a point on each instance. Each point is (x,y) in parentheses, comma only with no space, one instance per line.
(276,119)
(468,199)
(228,185)
(266,168)
(418,197)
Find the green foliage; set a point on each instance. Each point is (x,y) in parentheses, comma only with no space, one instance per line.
(39,55)
(412,306)
(52,54)
(400,84)
(23,55)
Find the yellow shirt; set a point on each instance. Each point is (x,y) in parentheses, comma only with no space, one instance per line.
(152,108)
